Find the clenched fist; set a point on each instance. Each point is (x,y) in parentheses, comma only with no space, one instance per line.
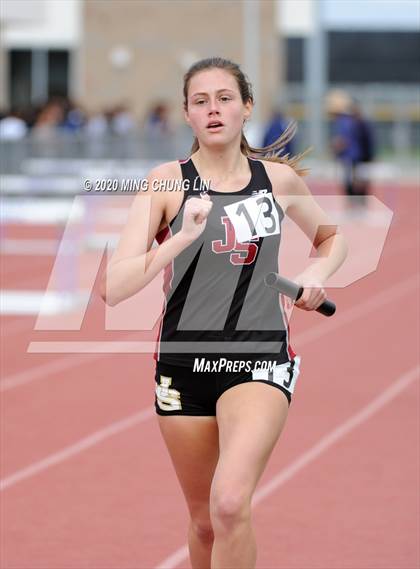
(195,215)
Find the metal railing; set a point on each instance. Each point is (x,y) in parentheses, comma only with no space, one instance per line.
(397,136)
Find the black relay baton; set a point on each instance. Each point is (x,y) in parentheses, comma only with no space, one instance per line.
(294,291)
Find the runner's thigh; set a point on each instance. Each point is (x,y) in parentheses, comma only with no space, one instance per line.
(192,442)
(250,418)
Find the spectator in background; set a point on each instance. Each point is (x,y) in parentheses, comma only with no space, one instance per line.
(345,143)
(122,121)
(158,131)
(157,121)
(367,151)
(48,121)
(275,128)
(96,130)
(13,130)
(12,126)
(74,117)
(30,115)
(96,125)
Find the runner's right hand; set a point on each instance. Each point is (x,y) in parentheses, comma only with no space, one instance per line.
(194,220)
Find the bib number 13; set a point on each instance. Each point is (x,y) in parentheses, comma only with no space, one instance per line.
(254,217)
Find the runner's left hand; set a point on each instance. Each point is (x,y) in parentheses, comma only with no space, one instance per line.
(313,294)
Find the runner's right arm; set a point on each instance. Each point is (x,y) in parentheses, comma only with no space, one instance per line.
(134,263)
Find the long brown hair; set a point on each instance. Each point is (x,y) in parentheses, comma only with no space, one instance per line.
(269,152)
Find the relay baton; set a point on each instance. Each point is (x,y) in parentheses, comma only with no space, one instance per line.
(294,291)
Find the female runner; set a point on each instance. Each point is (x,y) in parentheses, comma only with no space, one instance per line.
(221,407)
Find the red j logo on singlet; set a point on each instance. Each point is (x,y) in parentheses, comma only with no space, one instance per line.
(240,253)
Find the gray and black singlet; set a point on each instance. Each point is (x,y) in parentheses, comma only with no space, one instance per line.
(217,304)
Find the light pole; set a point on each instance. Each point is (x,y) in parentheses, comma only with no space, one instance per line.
(251,50)
(316,78)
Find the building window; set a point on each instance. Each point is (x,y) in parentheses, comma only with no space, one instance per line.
(362,57)
(374,57)
(294,59)
(58,73)
(20,63)
(37,75)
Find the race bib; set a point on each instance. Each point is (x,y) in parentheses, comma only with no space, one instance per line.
(256,216)
(282,374)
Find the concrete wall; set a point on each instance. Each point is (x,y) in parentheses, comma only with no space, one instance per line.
(152,43)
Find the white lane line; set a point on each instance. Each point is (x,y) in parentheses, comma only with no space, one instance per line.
(44,370)
(315,451)
(302,338)
(396,387)
(29,247)
(359,310)
(175,559)
(77,448)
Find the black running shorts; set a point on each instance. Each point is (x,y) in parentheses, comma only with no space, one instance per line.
(182,390)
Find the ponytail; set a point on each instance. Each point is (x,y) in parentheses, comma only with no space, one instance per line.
(271,152)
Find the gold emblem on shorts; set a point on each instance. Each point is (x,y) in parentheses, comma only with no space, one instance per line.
(167,399)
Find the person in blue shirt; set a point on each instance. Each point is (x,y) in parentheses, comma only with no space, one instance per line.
(367,149)
(275,128)
(351,143)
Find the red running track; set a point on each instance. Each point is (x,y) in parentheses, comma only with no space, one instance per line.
(87,481)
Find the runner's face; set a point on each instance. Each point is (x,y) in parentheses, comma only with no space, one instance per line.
(215,110)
